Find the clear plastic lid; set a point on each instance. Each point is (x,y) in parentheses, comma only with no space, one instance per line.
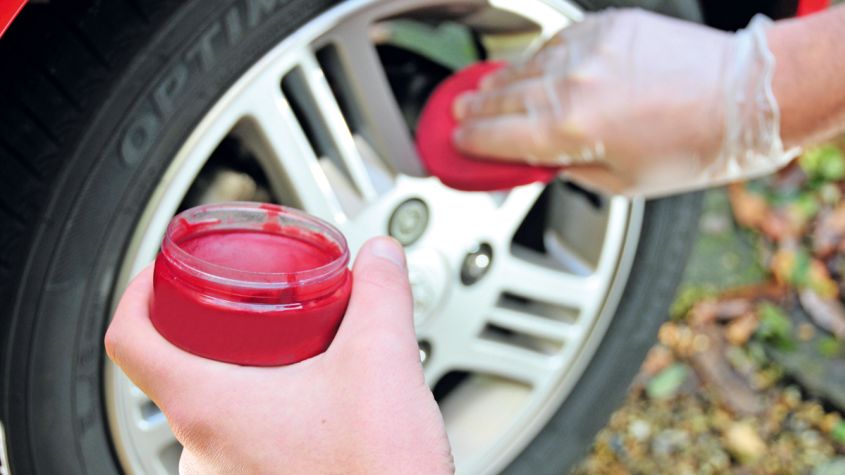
(232,279)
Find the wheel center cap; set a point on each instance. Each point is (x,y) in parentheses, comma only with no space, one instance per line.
(429,276)
(409,221)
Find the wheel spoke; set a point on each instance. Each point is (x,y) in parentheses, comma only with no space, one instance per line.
(506,361)
(433,372)
(515,207)
(549,21)
(536,281)
(284,149)
(157,434)
(532,325)
(151,422)
(383,123)
(335,125)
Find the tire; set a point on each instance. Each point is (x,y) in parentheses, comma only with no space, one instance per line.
(103,94)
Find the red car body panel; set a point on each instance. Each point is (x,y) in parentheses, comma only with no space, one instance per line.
(806,7)
(9,9)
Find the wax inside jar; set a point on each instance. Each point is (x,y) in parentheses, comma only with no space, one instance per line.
(280,314)
(258,251)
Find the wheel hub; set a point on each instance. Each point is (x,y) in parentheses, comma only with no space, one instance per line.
(430,280)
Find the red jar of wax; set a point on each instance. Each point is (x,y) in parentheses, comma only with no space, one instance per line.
(249,283)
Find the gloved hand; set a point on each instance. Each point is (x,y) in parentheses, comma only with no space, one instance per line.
(634,103)
(361,407)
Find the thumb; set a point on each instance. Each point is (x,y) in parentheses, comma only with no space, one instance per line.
(380,312)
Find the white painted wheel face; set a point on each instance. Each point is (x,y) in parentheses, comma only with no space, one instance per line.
(503,348)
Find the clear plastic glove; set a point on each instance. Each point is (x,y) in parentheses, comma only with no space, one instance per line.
(361,407)
(634,103)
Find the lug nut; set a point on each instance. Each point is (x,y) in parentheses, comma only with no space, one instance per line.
(425,351)
(476,264)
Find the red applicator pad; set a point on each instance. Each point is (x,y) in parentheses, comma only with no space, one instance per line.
(453,168)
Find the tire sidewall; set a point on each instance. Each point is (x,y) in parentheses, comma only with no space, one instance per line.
(56,359)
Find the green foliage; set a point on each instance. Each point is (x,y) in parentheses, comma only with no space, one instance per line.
(687,297)
(449,44)
(775,326)
(830,194)
(757,353)
(666,383)
(823,163)
(829,347)
(838,432)
(807,205)
(800,274)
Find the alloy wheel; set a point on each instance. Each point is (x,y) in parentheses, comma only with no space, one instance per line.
(506,324)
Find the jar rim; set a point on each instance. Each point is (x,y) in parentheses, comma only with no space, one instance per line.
(239,278)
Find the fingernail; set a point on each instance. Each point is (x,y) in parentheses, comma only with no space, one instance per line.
(460,106)
(458,135)
(390,249)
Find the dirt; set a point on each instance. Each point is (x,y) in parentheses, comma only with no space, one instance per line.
(748,376)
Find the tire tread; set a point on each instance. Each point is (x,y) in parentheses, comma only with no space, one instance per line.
(64,59)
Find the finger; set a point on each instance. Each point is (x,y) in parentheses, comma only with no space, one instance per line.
(380,309)
(599,178)
(131,341)
(520,98)
(534,67)
(515,138)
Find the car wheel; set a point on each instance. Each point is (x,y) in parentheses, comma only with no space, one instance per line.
(533,307)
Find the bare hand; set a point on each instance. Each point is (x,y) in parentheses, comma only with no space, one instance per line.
(360,407)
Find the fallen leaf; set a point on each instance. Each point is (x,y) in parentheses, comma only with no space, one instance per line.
(830,421)
(729,309)
(796,267)
(829,231)
(762,291)
(668,334)
(790,177)
(742,329)
(786,263)
(703,312)
(820,281)
(827,313)
(800,212)
(749,208)
(710,310)
(734,392)
(657,359)
(777,225)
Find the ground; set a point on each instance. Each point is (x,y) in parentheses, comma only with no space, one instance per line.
(747,376)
